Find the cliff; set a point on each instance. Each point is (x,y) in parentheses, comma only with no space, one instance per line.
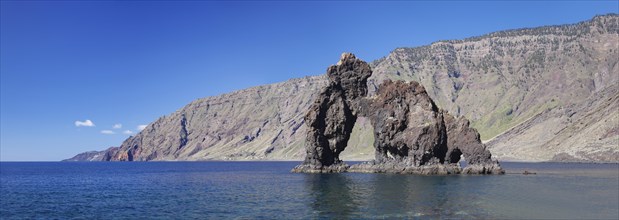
(515,86)
(510,79)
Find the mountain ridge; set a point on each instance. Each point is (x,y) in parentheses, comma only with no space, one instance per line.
(498,80)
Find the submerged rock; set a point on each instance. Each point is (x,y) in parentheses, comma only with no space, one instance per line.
(411,134)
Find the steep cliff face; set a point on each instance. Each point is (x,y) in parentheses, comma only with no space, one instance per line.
(505,79)
(264,122)
(586,131)
(501,79)
(502,82)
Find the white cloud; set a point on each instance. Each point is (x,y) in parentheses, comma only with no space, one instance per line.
(87,123)
(117,126)
(107,132)
(141,127)
(127,132)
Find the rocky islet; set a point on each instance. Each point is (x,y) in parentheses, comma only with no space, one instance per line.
(411,134)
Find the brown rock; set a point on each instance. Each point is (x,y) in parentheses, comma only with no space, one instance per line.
(408,126)
(331,118)
(411,134)
(464,140)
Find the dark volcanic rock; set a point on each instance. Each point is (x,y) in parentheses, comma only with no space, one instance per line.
(331,118)
(408,126)
(411,134)
(395,166)
(350,76)
(464,141)
(330,122)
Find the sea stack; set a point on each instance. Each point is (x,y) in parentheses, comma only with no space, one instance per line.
(411,134)
(332,116)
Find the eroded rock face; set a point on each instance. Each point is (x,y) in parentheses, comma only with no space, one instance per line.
(350,76)
(411,134)
(330,122)
(465,141)
(331,118)
(408,126)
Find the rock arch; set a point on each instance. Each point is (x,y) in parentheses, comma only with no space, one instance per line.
(411,134)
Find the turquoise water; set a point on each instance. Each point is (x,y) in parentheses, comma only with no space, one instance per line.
(266,190)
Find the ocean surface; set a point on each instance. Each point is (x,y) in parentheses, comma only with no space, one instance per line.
(267,190)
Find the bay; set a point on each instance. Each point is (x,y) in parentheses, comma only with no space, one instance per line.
(267,190)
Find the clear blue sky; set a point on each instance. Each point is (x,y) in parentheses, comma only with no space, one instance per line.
(119,62)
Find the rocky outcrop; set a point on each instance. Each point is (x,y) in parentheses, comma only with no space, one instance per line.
(331,118)
(410,134)
(408,126)
(464,141)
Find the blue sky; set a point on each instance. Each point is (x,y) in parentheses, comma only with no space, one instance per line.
(128,63)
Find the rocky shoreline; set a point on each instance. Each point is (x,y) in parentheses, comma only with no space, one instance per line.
(399,168)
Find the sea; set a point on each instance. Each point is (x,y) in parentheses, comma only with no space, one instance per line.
(267,190)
